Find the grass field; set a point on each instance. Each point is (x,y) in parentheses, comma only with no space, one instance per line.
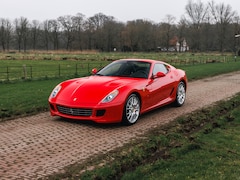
(40,69)
(25,98)
(19,66)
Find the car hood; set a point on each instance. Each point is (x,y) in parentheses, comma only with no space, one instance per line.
(89,90)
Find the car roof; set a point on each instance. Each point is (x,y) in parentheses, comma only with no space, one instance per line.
(142,60)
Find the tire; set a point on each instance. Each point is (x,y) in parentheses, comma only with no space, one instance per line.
(181,94)
(131,110)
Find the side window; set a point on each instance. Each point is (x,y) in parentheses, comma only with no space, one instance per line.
(160,68)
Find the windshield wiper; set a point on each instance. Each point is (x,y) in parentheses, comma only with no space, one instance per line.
(98,74)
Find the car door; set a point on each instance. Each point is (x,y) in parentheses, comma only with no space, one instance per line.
(160,87)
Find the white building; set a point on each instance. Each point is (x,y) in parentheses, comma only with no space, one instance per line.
(182,48)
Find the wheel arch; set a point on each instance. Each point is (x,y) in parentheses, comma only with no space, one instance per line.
(185,82)
(178,100)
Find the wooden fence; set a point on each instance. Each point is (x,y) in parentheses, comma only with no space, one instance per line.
(9,73)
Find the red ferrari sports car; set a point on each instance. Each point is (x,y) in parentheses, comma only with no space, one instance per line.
(120,92)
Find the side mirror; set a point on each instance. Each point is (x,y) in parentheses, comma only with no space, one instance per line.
(94,71)
(160,74)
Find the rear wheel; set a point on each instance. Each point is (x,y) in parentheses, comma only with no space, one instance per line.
(181,94)
(131,110)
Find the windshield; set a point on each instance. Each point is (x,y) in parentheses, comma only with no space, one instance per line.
(136,69)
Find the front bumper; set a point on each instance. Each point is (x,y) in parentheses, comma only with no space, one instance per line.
(101,114)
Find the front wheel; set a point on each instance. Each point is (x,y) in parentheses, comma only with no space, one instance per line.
(181,94)
(131,110)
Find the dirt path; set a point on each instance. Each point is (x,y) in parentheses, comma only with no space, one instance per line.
(40,145)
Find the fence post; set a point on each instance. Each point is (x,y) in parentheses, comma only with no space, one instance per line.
(76,72)
(24,72)
(31,71)
(59,70)
(7,73)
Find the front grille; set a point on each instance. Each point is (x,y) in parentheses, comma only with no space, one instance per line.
(74,111)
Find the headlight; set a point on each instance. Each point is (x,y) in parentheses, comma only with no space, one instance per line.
(110,96)
(55,91)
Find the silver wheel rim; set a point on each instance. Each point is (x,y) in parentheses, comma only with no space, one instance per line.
(132,109)
(181,94)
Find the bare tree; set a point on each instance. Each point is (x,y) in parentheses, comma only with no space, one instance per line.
(78,22)
(46,34)
(222,16)
(110,33)
(130,35)
(145,30)
(89,34)
(205,27)
(54,30)
(68,29)
(98,20)
(5,33)
(96,23)
(167,28)
(197,12)
(35,33)
(21,28)
(182,30)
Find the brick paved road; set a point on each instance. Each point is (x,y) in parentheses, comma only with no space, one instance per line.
(40,145)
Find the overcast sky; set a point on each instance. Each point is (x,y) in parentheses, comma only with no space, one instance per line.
(121,10)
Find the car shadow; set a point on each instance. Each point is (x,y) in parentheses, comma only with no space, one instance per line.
(157,110)
(90,123)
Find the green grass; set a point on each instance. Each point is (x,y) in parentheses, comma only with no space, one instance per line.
(202,145)
(42,65)
(28,97)
(211,69)
(211,153)
(38,69)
